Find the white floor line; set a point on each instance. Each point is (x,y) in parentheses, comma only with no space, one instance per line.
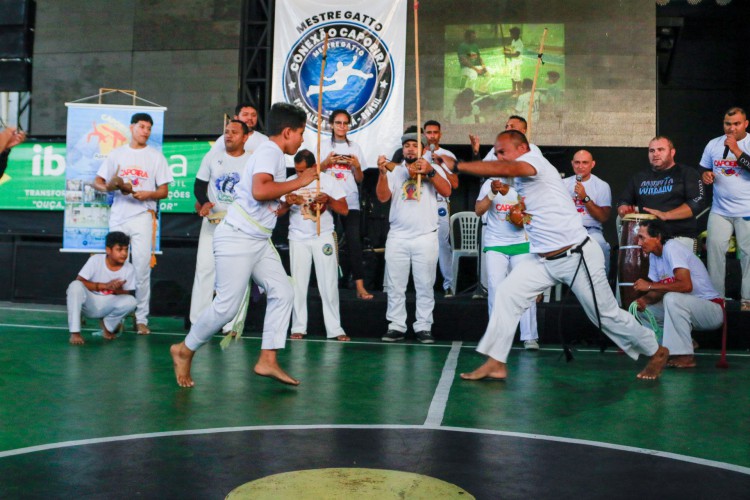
(221,430)
(442,391)
(28,309)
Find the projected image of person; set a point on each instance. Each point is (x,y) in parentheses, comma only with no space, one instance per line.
(524,100)
(514,53)
(472,65)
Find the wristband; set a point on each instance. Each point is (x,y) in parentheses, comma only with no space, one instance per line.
(455,166)
(431,174)
(491,195)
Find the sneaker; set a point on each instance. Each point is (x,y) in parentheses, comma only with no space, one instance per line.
(479,293)
(448,293)
(425,337)
(393,336)
(531,345)
(745,305)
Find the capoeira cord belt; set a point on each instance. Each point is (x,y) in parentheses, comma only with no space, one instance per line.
(566,348)
(652,323)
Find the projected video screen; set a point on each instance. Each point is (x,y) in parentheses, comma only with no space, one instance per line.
(490,72)
(596,81)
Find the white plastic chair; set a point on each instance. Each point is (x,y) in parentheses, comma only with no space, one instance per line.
(468,224)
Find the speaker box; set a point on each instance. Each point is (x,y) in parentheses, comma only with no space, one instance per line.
(15,76)
(16,42)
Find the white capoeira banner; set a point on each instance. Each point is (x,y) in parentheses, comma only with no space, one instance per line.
(364,71)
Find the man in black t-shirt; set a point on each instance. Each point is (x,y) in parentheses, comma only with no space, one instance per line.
(670,191)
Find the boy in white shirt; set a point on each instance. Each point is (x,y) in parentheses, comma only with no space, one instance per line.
(103,289)
(307,247)
(243,249)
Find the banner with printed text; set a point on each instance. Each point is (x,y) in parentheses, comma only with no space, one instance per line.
(364,69)
(94,130)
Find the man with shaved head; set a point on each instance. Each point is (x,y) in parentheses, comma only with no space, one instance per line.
(593,199)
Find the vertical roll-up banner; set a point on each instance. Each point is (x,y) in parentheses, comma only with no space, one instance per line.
(93,131)
(364,71)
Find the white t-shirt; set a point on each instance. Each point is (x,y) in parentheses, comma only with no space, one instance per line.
(222,172)
(253,217)
(341,172)
(408,217)
(554,221)
(95,269)
(145,168)
(302,228)
(597,190)
(490,156)
(522,105)
(443,152)
(252,143)
(499,231)
(676,255)
(731,182)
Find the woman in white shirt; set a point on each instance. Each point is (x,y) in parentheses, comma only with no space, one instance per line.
(342,160)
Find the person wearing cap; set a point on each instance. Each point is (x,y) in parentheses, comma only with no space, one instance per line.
(413,238)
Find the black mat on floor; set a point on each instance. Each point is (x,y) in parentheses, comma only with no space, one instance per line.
(487,466)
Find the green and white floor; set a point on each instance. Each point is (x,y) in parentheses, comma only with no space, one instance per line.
(107,420)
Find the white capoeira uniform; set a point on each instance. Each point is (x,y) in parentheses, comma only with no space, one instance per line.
(105,304)
(251,144)
(555,224)
(306,247)
(679,313)
(445,252)
(515,63)
(730,212)
(601,194)
(411,243)
(222,172)
(145,169)
(505,246)
(243,250)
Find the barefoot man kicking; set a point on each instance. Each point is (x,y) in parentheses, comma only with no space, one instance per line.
(243,249)
(558,237)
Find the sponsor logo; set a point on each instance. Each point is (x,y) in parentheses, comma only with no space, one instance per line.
(327,249)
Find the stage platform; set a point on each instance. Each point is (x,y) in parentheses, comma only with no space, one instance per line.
(463,318)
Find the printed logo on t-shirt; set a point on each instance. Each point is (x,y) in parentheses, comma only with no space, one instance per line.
(409,190)
(340,171)
(225,187)
(580,205)
(134,175)
(658,186)
(726,167)
(666,279)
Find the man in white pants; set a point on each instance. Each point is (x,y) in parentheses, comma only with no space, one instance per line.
(412,238)
(678,292)
(727,159)
(214,189)
(505,246)
(140,177)
(558,238)
(243,249)
(307,247)
(433,133)
(593,199)
(247,114)
(103,289)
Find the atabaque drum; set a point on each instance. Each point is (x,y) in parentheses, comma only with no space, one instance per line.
(632,264)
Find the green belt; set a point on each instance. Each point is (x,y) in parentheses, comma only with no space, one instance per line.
(517,249)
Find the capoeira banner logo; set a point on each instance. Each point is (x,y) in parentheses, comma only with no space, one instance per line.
(363,72)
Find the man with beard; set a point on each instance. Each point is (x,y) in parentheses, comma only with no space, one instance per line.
(413,239)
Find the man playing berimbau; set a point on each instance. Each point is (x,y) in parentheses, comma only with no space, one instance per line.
(557,236)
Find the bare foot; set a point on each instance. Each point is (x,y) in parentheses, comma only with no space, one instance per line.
(142,329)
(343,338)
(76,339)
(267,366)
(655,365)
(106,333)
(297,336)
(182,357)
(364,295)
(492,369)
(682,361)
